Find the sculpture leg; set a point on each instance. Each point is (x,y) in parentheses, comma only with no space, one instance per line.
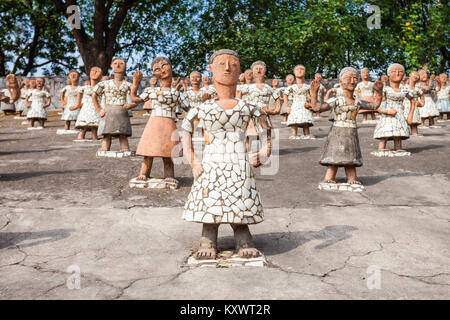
(41,122)
(373,116)
(32,123)
(245,246)
(364,116)
(169,168)
(306,131)
(294,130)
(398,144)
(146,168)
(106,143)
(124,146)
(330,175)
(431,121)
(67,126)
(350,172)
(208,242)
(82,134)
(94,133)
(382,145)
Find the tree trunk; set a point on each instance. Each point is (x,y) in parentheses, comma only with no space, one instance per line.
(2,62)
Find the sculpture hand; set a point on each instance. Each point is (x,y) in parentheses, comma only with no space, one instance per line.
(178,84)
(254,160)
(197,171)
(137,77)
(102,113)
(378,87)
(392,112)
(205,96)
(72,108)
(128,106)
(314,87)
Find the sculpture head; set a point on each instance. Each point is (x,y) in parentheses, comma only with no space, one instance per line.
(348,79)
(248,75)
(153,82)
(11,81)
(275,83)
(40,82)
(95,73)
(119,65)
(414,77)
(423,75)
(365,74)
(290,80)
(242,78)
(259,70)
(225,67)
(443,77)
(162,68)
(396,72)
(299,71)
(205,80)
(74,77)
(384,78)
(195,78)
(26,83)
(187,81)
(33,84)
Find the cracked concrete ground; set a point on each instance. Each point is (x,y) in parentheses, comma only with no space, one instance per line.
(63,209)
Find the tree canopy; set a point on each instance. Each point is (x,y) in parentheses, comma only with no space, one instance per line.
(323,35)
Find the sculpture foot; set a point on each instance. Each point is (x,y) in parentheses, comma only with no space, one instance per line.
(248,252)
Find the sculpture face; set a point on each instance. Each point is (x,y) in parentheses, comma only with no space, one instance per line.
(162,70)
(195,79)
(365,75)
(275,83)
(153,81)
(423,75)
(318,77)
(414,76)
(74,78)
(187,81)
(300,72)
(95,73)
(259,72)
(242,78)
(40,83)
(225,70)
(443,78)
(33,84)
(26,82)
(384,78)
(205,79)
(248,75)
(290,81)
(349,81)
(396,74)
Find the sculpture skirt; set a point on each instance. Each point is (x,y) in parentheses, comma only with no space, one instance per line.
(342,148)
(115,122)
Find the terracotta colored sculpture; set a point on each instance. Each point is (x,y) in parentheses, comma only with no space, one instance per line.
(40,100)
(429,110)
(10,95)
(413,118)
(21,104)
(342,147)
(115,118)
(148,105)
(68,97)
(160,138)
(365,89)
(392,124)
(443,91)
(321,93)
(88,118)
(299,115)
(224,189)
(207,88)
(285,107)
(272,102)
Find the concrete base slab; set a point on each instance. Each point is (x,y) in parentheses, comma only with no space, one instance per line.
(390,154)
(153,183)
(20,118)
(35,128)
(62,131)
(341,187)
(370,122)
(115,154)
(228,259)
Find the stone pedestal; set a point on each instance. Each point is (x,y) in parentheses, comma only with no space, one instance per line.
(35,128)
(115,154)
(83,140)
(302,137)
(341,187)
(20,118)
(153,183)
(62,131)
(227,259)
(390,154)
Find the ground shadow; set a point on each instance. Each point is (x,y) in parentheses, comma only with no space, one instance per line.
(29,151)
(424,148)
(11,240)
(372,180)
(274,243)
(283,152)
(26,175)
